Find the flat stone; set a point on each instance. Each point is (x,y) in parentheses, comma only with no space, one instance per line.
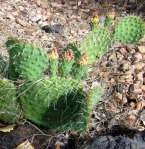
(141,49)
(10,16)
(53,4)
(21,22)
(36,18)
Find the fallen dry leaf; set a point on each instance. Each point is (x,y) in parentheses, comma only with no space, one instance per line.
(131,119)
(57,146)
(137,57)
(139,106)
(143,87)
(25,145)
(135,89)
(7,128)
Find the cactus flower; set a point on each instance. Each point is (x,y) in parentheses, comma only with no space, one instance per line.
(69,55)
(83,60)
(111,14)
(53,54)
(95,18)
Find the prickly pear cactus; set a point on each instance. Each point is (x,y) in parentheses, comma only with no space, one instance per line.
(80,70)
(67,62)
(109,18)
(96,43)
(53,61)
(9,108)
(129,29)
(94,20)
(94,96)
(27,61)
(56,102)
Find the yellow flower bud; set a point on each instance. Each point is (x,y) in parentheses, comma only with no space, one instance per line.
(83,60)
(94,20)
(69,55)
(53,55)
(111,14)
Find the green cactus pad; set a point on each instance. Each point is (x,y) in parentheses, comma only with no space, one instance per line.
(55,102)
(96,43)
(27,61)
(3,66)
(129,29)
(9,108)
(108,22)
(94,96)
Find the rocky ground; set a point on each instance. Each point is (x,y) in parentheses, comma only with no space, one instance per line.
(121,70)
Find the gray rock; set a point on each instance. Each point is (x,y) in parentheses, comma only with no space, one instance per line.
(57,28)
(118,142)
(36,18)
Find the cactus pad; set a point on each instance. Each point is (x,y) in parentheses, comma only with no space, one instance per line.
(27,61)
(55,102)
(96,43)
(8,105)
(129,29)
(94,96)
(3,66)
